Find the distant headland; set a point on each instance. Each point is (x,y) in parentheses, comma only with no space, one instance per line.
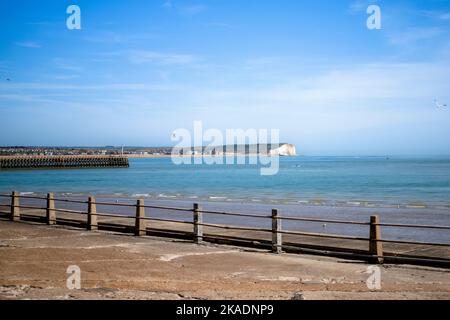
(281,149)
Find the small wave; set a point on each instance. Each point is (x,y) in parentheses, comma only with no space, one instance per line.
(26,193)
(417,206)
(161,195)
(145,195)
(217,198)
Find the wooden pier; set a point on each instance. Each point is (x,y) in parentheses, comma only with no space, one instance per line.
(58,162)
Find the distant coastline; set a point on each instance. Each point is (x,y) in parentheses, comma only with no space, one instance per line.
(283,149)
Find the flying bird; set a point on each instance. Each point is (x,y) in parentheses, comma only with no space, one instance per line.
(8,79)
(440,105)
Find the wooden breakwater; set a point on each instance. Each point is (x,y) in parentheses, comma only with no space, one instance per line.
(66,161)
(276,236)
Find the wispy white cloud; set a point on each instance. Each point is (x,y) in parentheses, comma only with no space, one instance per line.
(360,5)
(142,56)
(29,44)
(62,76)
(361,85)
(105,37)
(66,66)
(261,62)
(76,87)
(412,35)
(114,37)
(59,98)
(184,10)
(190,10)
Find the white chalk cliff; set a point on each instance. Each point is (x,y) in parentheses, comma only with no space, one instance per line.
(284,150)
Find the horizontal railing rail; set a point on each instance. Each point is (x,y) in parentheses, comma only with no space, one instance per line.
(325,220)
(415,242)
(232,227)
(237,214)
(68,200)
(167,220)
(374,253)
(168,208)
(323,235)
(420,226)
(69,211)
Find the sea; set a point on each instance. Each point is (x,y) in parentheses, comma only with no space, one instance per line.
(399,189)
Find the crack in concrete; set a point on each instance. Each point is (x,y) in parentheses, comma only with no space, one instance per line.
(171,257)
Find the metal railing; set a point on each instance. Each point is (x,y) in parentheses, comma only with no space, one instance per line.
(373,254)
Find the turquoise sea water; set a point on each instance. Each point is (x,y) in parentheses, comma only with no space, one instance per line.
(399,190)
(354,181)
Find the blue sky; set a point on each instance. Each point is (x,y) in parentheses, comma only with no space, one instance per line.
(137,70)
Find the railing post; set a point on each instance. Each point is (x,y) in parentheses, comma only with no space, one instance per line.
(51,213)
(198,220)
(140,222)
(277,240)
(92,223)
(375,245)
(15,210)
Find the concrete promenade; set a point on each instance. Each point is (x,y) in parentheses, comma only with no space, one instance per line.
(34,259)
